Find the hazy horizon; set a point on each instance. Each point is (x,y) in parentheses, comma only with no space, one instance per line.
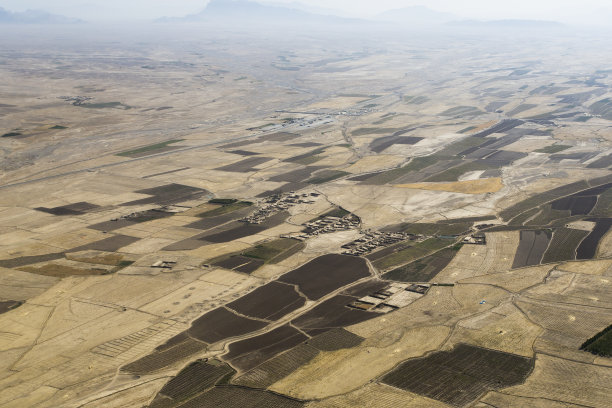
(590,12)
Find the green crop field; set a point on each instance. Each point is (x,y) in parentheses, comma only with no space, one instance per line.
(275,251)
(600,344)
(414,252)
(553,149)
(225,209)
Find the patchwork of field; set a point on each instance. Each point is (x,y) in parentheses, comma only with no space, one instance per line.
(252,221)
(460,376)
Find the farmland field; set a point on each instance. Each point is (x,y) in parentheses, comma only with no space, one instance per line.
(269,302)
(326,274)
(250,353)
(196,378)
(588,247)
(600,344)
(220,324)
(425,269)
(5,306)
(332,313)
(460,376)
(231,397)
(411,253)
(304,211)
(531,247)
(159,360)
(278,367)
(563,245)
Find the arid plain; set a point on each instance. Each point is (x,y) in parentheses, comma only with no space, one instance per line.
(202,219)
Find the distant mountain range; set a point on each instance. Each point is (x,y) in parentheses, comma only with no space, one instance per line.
(253,12)
(247,11)
(34,17)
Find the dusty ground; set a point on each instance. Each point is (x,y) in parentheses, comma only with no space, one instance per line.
(90,291)
(492,185)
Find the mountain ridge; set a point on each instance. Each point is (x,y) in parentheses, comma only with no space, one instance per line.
(34,17)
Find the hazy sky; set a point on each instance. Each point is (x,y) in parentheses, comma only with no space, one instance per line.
(562,10)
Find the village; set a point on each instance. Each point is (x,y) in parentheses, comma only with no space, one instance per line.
(277,203)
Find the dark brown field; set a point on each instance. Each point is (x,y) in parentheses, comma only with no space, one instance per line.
(245,166)
(382,143)
(588,247)
(577,205)
(110,244)
(601,163)
(365,288)
(460,376)
(335,339)
(196,378)
(247,354)
(159,360)
(70,209)
(212,222)
(221,324)
(243,153)
(327,273)
(423,270)
(278,367)
(8,305)
(296,176)
(270,302)
(240,263)
(332,313)
(168,195)
(28,260)
(238,397)
(531,248)
(241,230)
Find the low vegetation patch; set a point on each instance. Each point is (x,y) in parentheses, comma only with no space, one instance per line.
(425,269)
(553,149)
(275,251)
(12,134)
(225,208)
(600,344)
(409,254)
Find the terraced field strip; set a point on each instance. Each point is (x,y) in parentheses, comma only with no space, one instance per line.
(161,359)
(278,367)
(233,397)
(195,379)
(139,341)
(563,245)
